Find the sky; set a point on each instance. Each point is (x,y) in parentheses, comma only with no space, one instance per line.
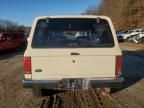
(24,11)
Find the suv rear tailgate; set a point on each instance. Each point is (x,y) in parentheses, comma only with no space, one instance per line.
(63,65)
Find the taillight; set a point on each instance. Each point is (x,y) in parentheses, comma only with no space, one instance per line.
(118,66)
(27,65)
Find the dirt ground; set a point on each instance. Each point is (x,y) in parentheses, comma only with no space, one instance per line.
(131,95)
(131,46)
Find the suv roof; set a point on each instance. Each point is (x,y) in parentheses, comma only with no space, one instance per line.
(73,16)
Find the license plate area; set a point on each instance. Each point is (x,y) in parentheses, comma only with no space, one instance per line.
(72,83)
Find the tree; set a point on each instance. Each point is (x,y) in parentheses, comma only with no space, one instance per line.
(125,14)
(6,25)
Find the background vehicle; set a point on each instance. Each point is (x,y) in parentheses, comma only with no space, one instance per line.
(11,40)
(134,35)
(58,58)
(139,38)
(126,35)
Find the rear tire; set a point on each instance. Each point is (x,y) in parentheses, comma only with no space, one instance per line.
(37,92)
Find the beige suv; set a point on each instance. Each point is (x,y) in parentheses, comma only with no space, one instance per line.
(72,52)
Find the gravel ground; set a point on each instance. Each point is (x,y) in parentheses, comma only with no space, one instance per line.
(131,46)
(13,95)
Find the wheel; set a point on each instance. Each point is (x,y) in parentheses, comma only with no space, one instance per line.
(120,39)
(113,90)
(37,92)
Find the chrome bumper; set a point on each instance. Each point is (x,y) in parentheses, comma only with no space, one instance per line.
(54,84)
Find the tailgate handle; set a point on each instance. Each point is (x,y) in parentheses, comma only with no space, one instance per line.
(38,70)
(75,53)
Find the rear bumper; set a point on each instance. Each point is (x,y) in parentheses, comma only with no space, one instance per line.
(54,84)
(115,83)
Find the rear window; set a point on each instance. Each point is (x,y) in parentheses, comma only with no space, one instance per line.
(72,33)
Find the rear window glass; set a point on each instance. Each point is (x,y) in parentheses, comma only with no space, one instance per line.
(72,33)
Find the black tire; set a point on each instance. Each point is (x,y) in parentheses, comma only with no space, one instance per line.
(114,90)
(37,92)
(120,39)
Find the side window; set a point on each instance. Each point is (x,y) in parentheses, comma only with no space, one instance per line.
(4,38)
